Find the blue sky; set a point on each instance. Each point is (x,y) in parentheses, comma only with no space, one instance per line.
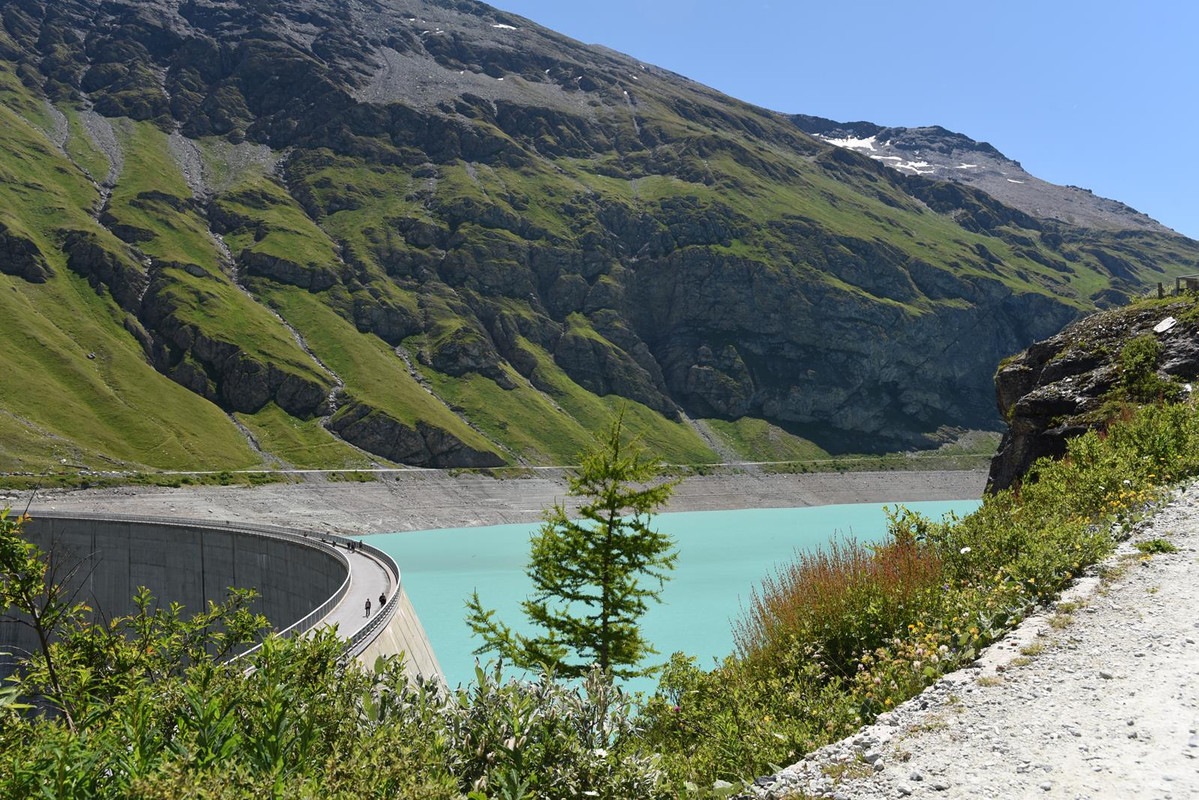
(1098,94)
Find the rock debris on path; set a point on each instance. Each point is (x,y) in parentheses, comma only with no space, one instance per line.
(1101,702)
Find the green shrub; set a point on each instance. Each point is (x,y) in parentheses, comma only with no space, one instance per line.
(840,601)
(142,707)
(843,635)
(825,646)
(1156,546)
(1138,371)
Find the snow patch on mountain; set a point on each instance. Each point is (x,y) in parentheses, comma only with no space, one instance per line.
(940,154)
(853,143)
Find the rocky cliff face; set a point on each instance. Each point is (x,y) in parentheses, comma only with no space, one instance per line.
(452,237)
(1069,383)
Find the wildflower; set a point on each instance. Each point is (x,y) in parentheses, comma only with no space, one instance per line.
(964,550)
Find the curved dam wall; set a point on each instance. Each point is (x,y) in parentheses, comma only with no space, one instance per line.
(190,564)
(403,634)
(299,579)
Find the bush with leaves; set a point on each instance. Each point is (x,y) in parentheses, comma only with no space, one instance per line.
(842,636)
(1139,380)
(157,711)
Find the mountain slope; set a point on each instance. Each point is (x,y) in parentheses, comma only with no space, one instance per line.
(939,154)
(437,234)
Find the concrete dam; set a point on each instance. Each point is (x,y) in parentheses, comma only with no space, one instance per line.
(305,580)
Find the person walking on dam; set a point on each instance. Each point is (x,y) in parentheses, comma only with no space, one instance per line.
(382,599)
(368,606)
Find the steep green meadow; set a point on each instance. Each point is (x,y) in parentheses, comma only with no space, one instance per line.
(78,386)
(357,264)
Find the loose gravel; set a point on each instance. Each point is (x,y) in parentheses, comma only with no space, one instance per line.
(1097,697)
(420,500)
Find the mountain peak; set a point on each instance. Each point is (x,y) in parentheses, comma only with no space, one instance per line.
(937,153)
(439,234)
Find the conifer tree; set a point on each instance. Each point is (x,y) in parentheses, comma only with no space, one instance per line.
(594,576)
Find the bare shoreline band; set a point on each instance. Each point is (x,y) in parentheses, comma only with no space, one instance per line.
(427,500)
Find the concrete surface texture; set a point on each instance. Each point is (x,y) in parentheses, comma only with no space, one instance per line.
(403,634)
(196,563)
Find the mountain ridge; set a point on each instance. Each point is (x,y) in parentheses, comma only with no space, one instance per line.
(473,274)
(942,152)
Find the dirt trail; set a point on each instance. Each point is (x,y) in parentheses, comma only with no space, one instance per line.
(1100,702)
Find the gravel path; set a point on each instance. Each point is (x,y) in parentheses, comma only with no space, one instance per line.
(1100,702)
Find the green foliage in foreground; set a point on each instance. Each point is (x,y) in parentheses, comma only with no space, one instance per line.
(142,707)
(593,576)
(841,637)
(1156,546)
(827,645)
(1139,380)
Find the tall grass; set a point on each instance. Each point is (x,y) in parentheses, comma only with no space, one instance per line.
(843,600)
(842,635)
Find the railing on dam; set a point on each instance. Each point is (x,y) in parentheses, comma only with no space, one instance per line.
(367,633)
(331,544)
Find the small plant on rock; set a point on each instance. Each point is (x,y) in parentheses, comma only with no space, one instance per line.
(1155,546)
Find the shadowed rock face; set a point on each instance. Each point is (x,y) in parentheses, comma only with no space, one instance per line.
(20,257)
(525,202)
(377,432)
(1056,389)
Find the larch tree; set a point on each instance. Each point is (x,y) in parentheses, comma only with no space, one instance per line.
(595,575)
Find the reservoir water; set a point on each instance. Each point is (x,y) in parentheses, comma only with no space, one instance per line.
(723,557)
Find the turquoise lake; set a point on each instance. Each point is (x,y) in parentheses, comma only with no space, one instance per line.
(723,557)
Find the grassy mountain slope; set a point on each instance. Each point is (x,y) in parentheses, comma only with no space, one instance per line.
(79,387)
(433,233)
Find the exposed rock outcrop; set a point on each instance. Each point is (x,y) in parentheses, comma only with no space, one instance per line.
(219,369)
(19,256)
(106,266)
(421,445)
(1060,387)
(503,202)
(314,278)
